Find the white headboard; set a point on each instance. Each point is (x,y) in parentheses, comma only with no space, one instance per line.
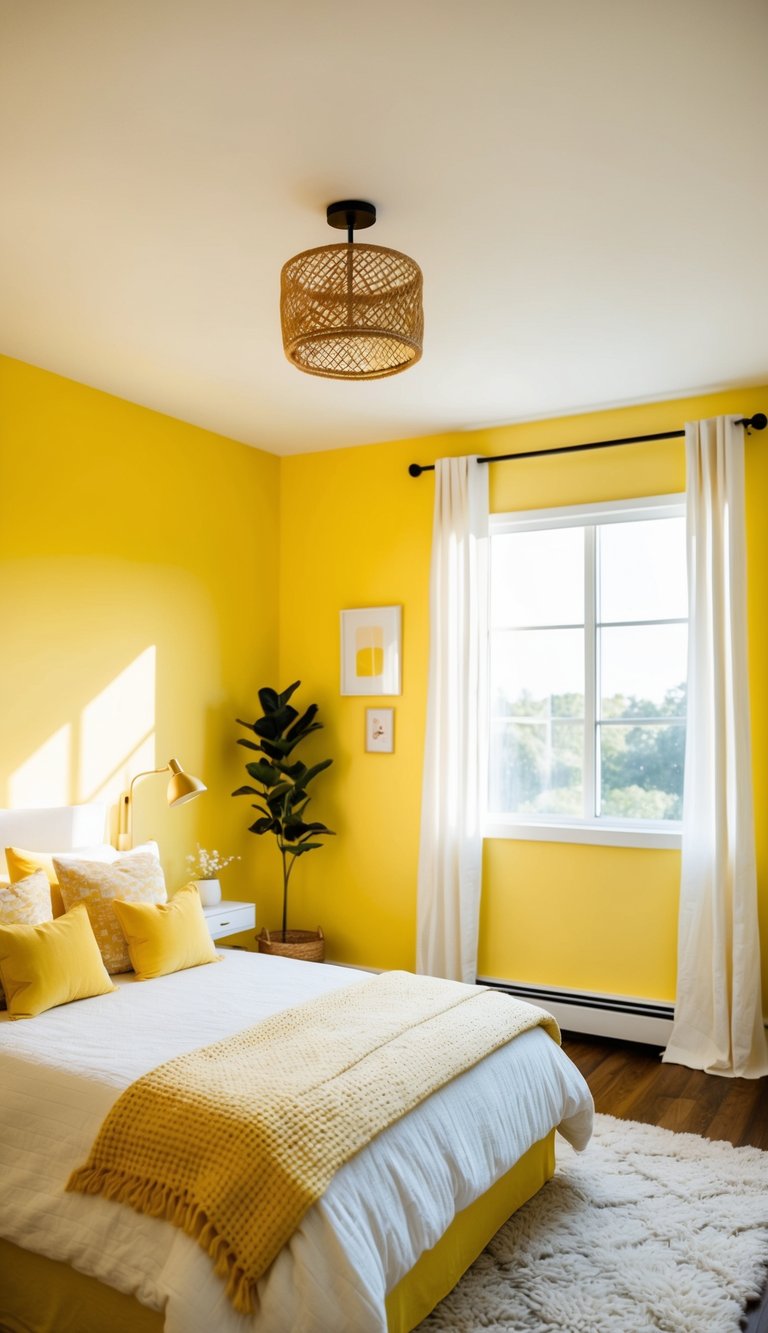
(60,829)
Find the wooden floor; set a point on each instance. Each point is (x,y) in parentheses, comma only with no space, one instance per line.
(631,1082)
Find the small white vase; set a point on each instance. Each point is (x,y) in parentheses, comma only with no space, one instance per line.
(210,891)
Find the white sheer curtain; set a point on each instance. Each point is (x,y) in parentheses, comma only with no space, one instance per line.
(451,850)
(718,1023)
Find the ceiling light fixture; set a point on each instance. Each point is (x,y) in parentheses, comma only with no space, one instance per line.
(351,312)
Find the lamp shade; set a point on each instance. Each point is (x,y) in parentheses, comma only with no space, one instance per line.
(352,311)
(182,786)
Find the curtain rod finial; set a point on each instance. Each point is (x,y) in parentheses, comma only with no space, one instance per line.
(757,422)
(415,470)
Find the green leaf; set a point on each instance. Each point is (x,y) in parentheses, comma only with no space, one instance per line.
(268,698)
(286,694)
(292,771)
(272,725)
(278,747)
(265,825)
(294,829)
(299,848)
(246,791)
(303,726)
(249,745)
(263,772)
(267,728)
(273,749)
(313,772)
(241,723)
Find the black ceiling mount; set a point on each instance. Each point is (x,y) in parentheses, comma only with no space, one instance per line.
(351,215)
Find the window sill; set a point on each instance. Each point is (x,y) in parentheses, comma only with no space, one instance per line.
(599,835)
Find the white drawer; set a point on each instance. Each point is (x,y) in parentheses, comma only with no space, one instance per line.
(227,918)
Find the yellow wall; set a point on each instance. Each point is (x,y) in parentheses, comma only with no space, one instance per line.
(138,609)
(356,531)
(139,606)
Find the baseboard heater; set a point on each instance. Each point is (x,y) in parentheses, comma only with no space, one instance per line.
(621,1016)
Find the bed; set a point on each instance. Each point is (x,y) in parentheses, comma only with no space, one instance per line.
(390,1236)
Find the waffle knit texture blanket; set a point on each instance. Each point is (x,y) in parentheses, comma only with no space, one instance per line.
(235,1142)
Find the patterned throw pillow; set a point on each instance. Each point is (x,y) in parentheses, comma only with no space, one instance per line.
(22,863)
(136,877)
(26,903)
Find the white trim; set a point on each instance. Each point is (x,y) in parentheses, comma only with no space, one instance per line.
(589,770)
(592,828)
(601,833)
(594,1019)
(572,516)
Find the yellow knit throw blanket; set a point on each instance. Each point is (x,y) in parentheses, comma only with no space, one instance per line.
(234,1142)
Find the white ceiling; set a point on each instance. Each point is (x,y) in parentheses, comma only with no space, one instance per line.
(583,182)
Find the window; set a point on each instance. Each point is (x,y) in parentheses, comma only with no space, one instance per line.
(588,643)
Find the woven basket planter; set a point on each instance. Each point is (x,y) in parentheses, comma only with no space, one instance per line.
(307,945)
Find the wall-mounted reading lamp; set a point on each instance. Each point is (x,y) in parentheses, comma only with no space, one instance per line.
(181,787)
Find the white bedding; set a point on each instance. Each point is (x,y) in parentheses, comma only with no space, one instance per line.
(60,1073)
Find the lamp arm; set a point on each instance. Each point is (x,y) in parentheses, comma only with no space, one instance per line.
(148,772)
(125,831)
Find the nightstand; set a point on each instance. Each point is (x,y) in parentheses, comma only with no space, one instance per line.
(228,918)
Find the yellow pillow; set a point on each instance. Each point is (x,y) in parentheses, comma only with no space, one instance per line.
(53,963)
(134,877)
(22,863)
(167,937)
(26,903)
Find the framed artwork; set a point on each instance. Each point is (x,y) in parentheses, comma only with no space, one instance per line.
(371,651)
(380,730)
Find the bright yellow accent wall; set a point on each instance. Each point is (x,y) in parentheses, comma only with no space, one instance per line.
(138,609)
(355,531)
(149,572)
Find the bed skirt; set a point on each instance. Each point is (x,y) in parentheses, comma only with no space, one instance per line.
(39,1295)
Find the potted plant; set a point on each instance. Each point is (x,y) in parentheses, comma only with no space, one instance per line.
(282,782)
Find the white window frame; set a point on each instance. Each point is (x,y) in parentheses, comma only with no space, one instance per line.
(598,830)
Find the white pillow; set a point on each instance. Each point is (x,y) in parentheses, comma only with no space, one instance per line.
(65,826)
(104,851)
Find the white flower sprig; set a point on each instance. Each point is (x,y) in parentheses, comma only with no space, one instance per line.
(207,865)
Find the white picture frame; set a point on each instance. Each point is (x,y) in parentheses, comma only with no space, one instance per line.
(371,650)
(380,730)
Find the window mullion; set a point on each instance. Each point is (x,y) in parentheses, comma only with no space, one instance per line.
(590,673)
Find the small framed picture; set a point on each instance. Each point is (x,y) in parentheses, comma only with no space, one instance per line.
(380,730)
(370,650)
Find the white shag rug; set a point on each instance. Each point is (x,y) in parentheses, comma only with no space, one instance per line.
(645,1231)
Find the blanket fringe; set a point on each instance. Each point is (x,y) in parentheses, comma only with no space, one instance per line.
(155,1200)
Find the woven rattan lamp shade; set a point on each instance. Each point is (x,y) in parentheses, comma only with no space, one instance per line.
(351,312)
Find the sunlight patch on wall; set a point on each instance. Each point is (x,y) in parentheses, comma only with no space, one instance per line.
(43,779)
(117,732)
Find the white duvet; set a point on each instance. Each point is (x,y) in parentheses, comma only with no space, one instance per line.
(61,1072)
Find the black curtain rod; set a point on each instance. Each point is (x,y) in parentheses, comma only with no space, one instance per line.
(758,422)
